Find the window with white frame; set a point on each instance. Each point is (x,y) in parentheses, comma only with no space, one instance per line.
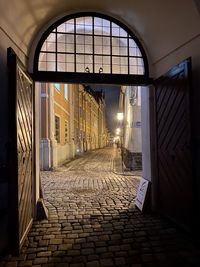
(57,129)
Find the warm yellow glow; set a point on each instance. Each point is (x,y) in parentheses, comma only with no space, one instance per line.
(118,130)
(120,116)
(116,138)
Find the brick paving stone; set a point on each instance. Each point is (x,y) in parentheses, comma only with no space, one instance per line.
(93,222)
(65,247)
(40,260)
(93,264)
(106,262)
(55,241)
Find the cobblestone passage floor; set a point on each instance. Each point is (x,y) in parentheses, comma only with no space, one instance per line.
(93,222)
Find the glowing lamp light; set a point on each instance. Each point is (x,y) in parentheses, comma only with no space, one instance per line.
(120,116)
(118,130)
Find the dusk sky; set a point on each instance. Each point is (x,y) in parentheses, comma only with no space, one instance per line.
(112,103)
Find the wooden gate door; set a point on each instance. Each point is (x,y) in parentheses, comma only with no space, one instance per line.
(173,134)
(20,152)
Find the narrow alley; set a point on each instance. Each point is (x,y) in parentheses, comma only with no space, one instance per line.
(93,222)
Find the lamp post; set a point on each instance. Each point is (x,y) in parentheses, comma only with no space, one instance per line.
(120,118)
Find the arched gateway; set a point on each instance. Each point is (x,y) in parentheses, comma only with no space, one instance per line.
(79,48)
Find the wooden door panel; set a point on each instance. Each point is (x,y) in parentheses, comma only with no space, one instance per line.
(173,132)
(20,152)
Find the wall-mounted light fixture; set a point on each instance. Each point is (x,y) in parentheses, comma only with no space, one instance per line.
(87,70)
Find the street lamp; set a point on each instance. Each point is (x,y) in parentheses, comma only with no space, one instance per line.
(120,116)
(118,130)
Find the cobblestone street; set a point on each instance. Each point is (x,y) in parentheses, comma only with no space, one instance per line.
(93,222)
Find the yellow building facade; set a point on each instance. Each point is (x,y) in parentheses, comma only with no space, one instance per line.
(72,121)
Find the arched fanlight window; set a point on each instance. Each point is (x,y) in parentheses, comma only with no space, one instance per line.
(91,44)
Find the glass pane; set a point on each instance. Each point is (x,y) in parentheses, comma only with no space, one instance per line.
(115,50)
(98,26)
(69,26)
(80,67)
(79,48)
(140,61)
(124,70)
(88,39)
(61,28)
(42,57)
(133,51)
(70,67)
(61,47)
(69,38)
(98,59)
(106,50)
(61,67)
(61,57)
(122,32)
(98,40)
(139,53)
(51,38)
(132,43)
(69,58)
(70,48)
(106,41)
(49,47)
(80,39)
(89,49)
(80,59)
(123,51)
(88,25)
(116,60)
(133,61)
(133,69)
(115,41)
(140,70)
(84,25)
(98,49)
(106,60)
(123,61)
(60,38)
(115,69)
(123,42)
(51,66)
(88,59)
(42,66)
(106,69)
(106,27)
(115,29)
(51,57)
